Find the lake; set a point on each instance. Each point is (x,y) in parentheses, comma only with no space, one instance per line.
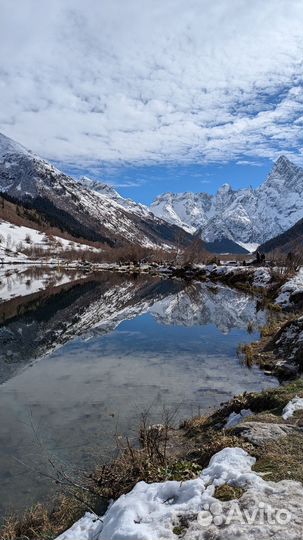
(81,356)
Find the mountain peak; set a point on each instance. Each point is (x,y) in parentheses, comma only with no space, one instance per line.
(285,174)
(9,146)
(282,160)
(282,164)
(225,188)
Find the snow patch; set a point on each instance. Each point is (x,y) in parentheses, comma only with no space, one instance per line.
(262,277)
(292,286)
(150,511)
(296,404)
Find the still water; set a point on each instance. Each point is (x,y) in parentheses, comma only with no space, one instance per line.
(81,357)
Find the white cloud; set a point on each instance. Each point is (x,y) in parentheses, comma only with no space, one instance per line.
(149,81)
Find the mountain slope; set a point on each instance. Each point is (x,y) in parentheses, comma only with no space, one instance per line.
(290,240)
(246,215)
(78,209)
(108,191)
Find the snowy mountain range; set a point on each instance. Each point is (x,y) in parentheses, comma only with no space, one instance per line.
(246,216)
(95,211)
(81,208)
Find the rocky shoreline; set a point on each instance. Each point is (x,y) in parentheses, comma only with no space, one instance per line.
(248,450)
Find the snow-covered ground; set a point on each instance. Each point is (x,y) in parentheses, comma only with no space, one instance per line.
(14,239)
(156,511)
(261,276)
(292,286)
(11,257)
(225,269)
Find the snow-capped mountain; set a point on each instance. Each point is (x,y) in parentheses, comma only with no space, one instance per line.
(95,211)
(246,216)
(109,191)
(74,206)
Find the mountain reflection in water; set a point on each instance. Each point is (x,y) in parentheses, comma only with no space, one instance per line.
(86,355)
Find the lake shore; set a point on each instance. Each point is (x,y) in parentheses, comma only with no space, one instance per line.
(252,422)
(264,426)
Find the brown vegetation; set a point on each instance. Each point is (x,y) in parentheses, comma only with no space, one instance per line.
(19,215)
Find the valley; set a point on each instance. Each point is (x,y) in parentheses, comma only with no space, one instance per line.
(121,322)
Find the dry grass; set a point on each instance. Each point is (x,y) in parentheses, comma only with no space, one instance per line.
(270,328)
(228,493)
(34,524)
(247,350)
(149,462)
(155,460)
(250,327)
(202,438)
(269,402)
(209,441)
(42,523)
(274,307)
(278,460)
(282,459)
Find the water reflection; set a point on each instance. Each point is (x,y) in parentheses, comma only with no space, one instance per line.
(109,346)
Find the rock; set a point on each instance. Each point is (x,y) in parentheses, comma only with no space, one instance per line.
(259,433)
(236,418)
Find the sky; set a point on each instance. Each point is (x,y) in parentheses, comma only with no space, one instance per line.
(151,95)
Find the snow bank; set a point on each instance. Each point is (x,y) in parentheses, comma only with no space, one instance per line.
(87,528)
(292,286)
(296,404)
(150,511)
(231,466)
(235,418)
(222,270)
